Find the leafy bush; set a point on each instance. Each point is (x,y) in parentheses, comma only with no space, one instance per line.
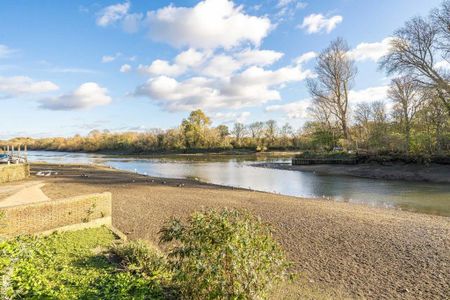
(139,257)
(225,254)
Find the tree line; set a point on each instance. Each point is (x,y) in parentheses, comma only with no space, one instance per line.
(417,121)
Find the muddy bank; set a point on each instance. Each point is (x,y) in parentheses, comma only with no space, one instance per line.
(366,252)
(410,172)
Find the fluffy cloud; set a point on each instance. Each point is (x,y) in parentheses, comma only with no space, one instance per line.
(370,94)
(112,14)
(162,67)
(207,25)
(182,62)
(289,7)
(110,58)
(119,13)
(22,85)
(316,23)
(87,95)
(305,57)
(231,117)
(370,51)
(258,57)
(206,64)
(125,68)
(6,51)
(253,86)
(294,110)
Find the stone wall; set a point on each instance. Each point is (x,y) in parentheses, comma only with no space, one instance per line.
(64,214)
(13,172)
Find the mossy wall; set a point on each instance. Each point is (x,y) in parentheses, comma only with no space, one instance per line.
(13,172)
(75,212)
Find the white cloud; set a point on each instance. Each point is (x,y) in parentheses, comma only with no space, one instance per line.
(316,23)
(125,68)
(110,58)
(182,62)
(161,67)
(209,24)
(231,117)
(119,13)
(253,86)
(221,66)
(112,14)
(87,95)
(370,51)
(370,94)
(289,7)
(5,51)
(22,85)
(305,57)
(294,110)
(258,57)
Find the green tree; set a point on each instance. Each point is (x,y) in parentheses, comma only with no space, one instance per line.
(194,129)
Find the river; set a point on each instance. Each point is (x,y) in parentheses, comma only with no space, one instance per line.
(432,198)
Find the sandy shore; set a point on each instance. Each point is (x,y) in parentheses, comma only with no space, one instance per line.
(365,252)
(409,172)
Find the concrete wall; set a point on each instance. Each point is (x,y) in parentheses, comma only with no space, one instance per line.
(65,214)
(13,172)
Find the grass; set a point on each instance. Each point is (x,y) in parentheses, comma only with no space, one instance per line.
(72,265)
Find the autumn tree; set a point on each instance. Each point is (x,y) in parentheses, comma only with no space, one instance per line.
(194,129)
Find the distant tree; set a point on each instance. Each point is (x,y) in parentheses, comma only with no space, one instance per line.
(256,130)
(271,132)
(286,135)
(408,99)
(223,131)
(330,89)
(239,132)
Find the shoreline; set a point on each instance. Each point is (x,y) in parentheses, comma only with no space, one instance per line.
(367,252)
(434,173)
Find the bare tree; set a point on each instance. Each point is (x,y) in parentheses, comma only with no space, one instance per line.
(335,74)
(256,130)
(239,132)
(408,98)
(441,20)
(414,51)
(271,132)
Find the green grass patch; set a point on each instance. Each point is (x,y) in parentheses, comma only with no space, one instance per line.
(72,265)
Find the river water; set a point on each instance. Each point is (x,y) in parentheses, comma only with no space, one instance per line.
(422,197)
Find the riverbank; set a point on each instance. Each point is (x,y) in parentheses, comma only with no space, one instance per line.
(358,250)
(410,172)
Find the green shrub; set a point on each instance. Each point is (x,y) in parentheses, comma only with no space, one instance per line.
(139,257)
(224,254)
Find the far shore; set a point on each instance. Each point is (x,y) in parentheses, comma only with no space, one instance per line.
(435,173)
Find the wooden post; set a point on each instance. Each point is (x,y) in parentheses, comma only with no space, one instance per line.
(26,153)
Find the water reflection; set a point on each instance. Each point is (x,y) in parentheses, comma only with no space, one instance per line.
(414,196)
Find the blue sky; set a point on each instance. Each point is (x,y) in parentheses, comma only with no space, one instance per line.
(68,67)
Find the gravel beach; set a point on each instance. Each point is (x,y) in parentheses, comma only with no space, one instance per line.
(365,252)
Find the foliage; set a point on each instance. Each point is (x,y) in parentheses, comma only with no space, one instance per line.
(141,258)
(65,266)
(224,254)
